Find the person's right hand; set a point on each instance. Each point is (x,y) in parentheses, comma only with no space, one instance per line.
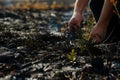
(74,22)
(98,33)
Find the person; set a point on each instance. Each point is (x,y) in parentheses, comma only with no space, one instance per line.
(106,20)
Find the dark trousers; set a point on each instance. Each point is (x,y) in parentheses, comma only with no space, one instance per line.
(113,34)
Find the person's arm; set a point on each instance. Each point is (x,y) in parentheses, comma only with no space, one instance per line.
(99,31)
(76,18)
(79,6)
(106,14)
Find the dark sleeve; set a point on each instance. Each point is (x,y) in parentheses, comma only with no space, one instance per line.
(118,5)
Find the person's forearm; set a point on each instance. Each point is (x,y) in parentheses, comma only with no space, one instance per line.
(106,14)
(79,5)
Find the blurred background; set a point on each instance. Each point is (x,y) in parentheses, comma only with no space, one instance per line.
(57,12)
(38,4)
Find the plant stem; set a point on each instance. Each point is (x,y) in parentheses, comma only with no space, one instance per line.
(117,11)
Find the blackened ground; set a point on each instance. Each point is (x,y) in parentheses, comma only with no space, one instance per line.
(33,45)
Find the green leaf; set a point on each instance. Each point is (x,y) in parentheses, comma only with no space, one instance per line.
(70,57)
(72,52)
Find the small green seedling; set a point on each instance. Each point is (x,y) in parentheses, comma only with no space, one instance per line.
(71,55)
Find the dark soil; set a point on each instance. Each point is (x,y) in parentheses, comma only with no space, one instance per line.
(33,46)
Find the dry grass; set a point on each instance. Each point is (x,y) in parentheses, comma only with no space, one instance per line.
(39,6)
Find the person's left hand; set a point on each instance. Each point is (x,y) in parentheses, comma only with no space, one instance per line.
(98,33)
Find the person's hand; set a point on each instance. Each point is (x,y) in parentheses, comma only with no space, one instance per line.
(74,22)
(98,33)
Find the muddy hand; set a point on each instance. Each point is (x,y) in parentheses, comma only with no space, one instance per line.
(73,27)
(97,34)
(75,21)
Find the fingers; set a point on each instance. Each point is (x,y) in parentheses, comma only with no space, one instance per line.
(96,37)
(74,22)
(73,27)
